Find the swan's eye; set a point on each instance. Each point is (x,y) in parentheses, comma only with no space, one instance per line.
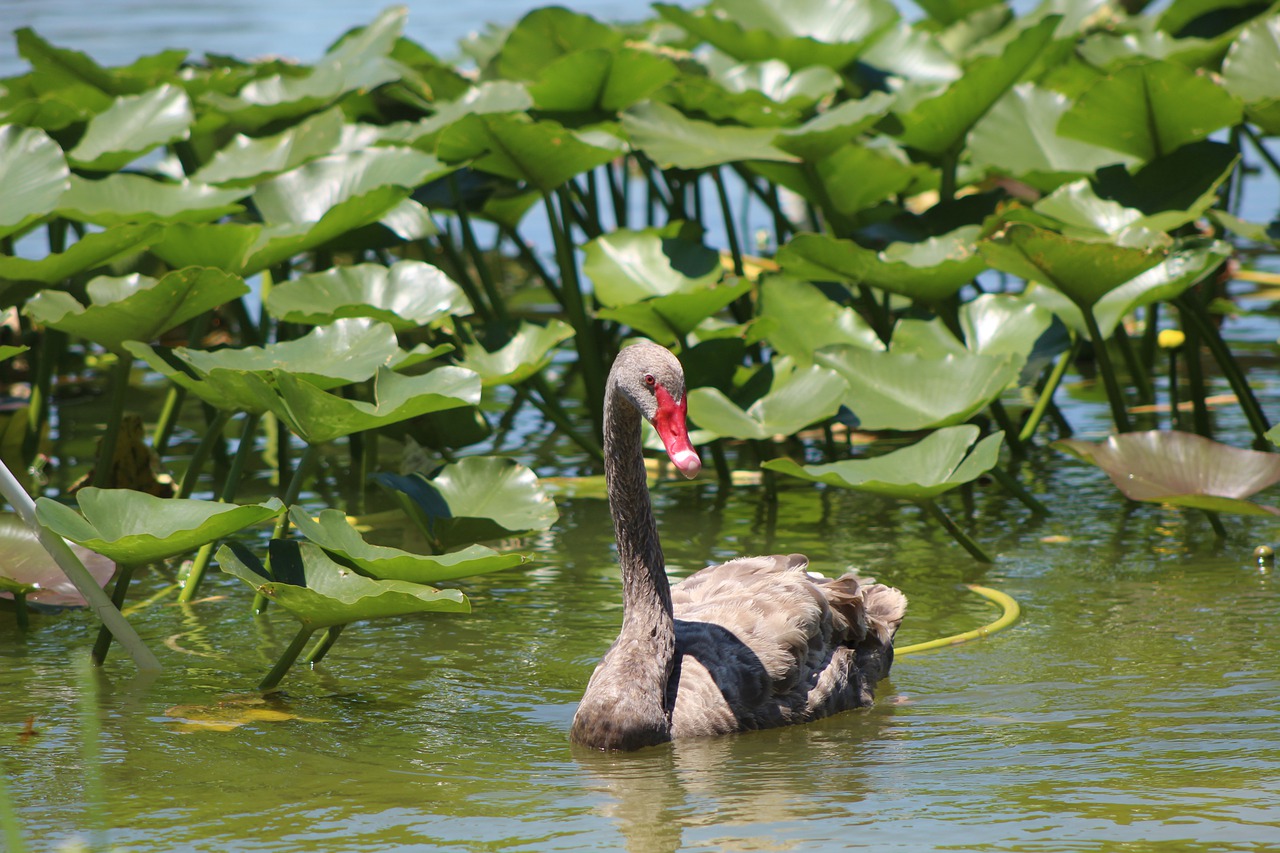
(649,380)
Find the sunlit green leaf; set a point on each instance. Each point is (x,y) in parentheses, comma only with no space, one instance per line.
(21,277)
(668,319)
(546,35)
(807,319)
(247,159)
(798,397)
(125,197)
(830,130)
(670,138)
(135,528)
(599,79)
(34,175)
(543,153)
(1247,72)
(529,351)
(405,295)
(627,266)
(132,126)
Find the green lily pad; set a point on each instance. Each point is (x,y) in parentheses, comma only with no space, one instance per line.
(938,463)
(321,593)
(1085,271)
(798,32)
(342,542)
(931,270)
(132,126)
(670,138)
(1018,137)
(600,79)
(542,153)
(830,130)
(1182,469)
(125,197)
(1173,190)
(1247,71)
(1150,109)
(246,160)
(797,398)
(808,320)
(307,193)
(668,319)
(135,307)
(939,124)
(907,391)
(134,528)
(476,499)
(405,295)
(8,351)
(627,266)
(280,242)
(544,36)
(527,353)
(22,277)
(34,174)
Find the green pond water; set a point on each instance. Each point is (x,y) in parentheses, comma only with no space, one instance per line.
(1135,706)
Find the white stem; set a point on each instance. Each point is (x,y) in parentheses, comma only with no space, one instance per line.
(70,564)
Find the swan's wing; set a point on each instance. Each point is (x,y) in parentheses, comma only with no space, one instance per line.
(778,645)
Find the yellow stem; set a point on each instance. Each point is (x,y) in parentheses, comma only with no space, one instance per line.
(1010,615)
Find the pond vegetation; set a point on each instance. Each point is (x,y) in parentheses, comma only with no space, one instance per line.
(880,247)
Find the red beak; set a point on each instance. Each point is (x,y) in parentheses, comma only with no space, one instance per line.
(670,425)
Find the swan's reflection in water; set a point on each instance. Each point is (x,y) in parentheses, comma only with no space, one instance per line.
(741,791)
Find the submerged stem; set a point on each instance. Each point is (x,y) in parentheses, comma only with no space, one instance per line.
(954,529)
(287,659)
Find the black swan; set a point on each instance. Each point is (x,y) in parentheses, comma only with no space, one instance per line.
(750,644)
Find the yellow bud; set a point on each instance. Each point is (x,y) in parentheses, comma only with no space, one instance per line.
(1170,339)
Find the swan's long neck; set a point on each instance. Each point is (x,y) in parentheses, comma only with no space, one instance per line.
(627,704)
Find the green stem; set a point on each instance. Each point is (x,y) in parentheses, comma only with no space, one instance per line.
(286,660)
(1175,417)
(1010,482)
(103,467)
(20,611)
(1216,523)
(53,344)
(1051,386)
(229,487)
(472,247)
(723,473)
(547,403)
(956,533)
(322,646)
(1230,368)
(309,458)
(118,593)
(1146,393)
(168,418)
(1115,396)
(1261,148)
(212,435)
(1195,380)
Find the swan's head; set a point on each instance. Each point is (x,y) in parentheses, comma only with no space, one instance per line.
(651,378)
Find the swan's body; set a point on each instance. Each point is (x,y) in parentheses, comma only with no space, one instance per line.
(749,644)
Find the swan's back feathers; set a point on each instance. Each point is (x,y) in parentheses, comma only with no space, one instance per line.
(760,643)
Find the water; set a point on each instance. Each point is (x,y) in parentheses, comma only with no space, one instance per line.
(1136,703)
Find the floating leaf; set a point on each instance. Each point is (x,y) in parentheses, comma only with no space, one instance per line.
(405,295)
(126,197)
(1150,109)
(134,528)
(936,464)
(26,567)
(320,593)
(476,499)
(906,391)
(135,307)
(34,175)
(670,138)
(131,127)
(797,397)
(332,533)
(1182,469)
(527,353)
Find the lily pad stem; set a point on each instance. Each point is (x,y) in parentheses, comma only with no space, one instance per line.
(212,435)
(53,344)
(102,470)
(1261,148)
(310,457)
(1051,386)
(118,593)
(322,646)
(1115,396)
(472,248)
(1192,309)
(1011,484)
(546,402)
(1216,523)
(954,529)
(1195,380)
(1146,394)
(286,660)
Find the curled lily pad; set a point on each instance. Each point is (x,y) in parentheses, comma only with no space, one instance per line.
(513,145)
(528,351)
(20,278)
(339,539)
(33,172)
(27,569)
(476,499)
(246,159)
(907,391)
(797,397)
(626,266)
(808,320)
(321,593)
(132,126)
(405,295)
(671,138)
(126,197)
(1246,71)
(135,528)
(1182,469)
(135,307)
(936,464)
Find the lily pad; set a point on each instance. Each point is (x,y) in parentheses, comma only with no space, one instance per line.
(476,499)
(134,528)
(22,277)
(527,353)
(135,307)
(600,79)
(808,319)
(33,172)
(1182,469)
(321,593)
(246,160)
(405,295)
(627,266)
(125,197)
(670,138)
(1150,109)
(830,130)
(938,463)
(542,153)
(906,391)
(27,568)
(1246,72)
(132,126)
(797,397)
(341,541)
